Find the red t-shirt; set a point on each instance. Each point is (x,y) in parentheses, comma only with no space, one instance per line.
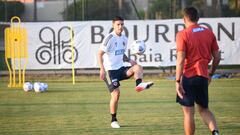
(198,43)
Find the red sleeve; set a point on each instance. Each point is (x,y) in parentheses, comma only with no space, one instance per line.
(214,44)
(180,42)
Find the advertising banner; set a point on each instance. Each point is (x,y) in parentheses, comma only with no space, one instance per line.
(49,42)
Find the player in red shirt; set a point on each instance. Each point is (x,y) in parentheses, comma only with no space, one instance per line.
(196,46)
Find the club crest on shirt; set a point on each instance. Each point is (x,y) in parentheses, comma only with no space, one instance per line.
(119,52)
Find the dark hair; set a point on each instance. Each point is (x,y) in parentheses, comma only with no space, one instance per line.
(191,13)
(117,18)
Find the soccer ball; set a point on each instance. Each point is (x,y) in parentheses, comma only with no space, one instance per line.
(27,86)
(45,86)
(38,87)
(138,47)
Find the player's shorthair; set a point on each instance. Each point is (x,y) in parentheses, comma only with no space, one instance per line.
(191,13)
(117,18)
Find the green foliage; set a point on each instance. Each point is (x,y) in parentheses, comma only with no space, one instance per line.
(3,66)
(231,10)
(96,10)
(9,9)
(2,28)
(161,6)
(141,14)
(172,8)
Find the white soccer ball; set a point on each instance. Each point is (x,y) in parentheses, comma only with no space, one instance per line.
(38,87)
(138,47)
(27,86)
(45,86)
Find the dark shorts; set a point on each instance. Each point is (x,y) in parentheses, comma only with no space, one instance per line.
(113,77)
(196,90)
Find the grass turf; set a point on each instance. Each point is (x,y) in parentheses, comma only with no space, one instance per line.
(83,108)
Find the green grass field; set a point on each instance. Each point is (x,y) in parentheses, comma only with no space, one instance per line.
(83,108)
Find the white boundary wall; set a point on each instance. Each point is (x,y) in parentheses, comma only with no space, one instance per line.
(49,42)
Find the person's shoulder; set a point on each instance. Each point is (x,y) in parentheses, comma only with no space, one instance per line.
(207,30)
(181,33)
(108,37)
(204,28)
(124,37)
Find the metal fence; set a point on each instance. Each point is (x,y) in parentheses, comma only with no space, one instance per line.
(65,10)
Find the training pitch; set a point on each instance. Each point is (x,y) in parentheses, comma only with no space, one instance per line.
(83,108)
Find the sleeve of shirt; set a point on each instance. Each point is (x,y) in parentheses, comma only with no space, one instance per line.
(181,46)
(126,44)
(106,43)
(214,44)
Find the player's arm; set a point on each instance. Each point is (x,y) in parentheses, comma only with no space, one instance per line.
(181,54)
(215,62)
(216,58)
(180,64)
(126,59)
(101,66)
(179,71)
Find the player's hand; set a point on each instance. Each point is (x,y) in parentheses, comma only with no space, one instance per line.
(132,62)
(102,74)
(179,89)
(209,80)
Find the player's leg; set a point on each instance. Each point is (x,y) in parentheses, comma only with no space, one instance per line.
(112,82)
(202,102)
(208,119)
(137,72)
(115,94)
(189,124)
(187,103)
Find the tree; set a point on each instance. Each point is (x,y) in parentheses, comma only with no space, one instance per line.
(8,9)
(166,9)
(160,9)
(231,10)
(94,10)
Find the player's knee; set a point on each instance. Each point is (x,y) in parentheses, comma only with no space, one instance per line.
(202,110)
(115,94)
(138,68)
(188,111)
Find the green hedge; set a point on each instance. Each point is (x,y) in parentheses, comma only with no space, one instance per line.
(3,65)
(8,9)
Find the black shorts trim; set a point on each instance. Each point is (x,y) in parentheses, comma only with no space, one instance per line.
(196,91)
(113,77)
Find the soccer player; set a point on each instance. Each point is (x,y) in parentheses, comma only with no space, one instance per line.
(196,46)
(111,56)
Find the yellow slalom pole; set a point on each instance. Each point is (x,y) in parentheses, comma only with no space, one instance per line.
(13,60)
(25,55)
(19,58)
(16,51)
(72,43)
(8,55)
